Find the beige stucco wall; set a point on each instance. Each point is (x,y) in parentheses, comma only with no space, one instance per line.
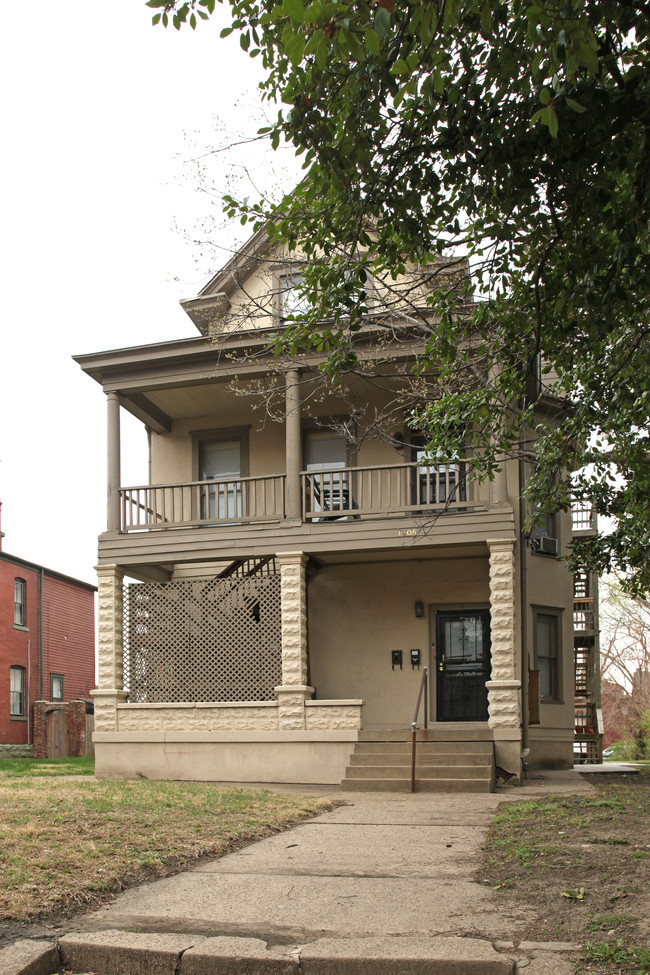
(172,453)
(550,586)
(359,613)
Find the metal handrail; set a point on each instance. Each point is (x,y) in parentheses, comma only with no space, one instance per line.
(414,723)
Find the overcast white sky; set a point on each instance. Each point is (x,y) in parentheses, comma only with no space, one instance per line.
(102,116)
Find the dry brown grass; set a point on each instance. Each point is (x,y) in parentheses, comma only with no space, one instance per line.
(70,842)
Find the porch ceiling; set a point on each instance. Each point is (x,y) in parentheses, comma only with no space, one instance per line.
(438,553)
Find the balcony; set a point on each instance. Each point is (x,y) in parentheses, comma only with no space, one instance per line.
(583,518)
(338,494)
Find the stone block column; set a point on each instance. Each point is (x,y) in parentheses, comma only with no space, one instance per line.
(504,690)
(294,690)
(110,691)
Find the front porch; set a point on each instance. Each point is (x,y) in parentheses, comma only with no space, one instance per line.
(214,677)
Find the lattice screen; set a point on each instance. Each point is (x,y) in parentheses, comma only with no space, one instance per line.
(203,640)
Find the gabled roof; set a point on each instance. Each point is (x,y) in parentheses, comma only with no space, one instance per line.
(214,298)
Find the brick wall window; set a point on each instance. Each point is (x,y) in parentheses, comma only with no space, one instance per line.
(17,691)
(20,616)
(56,687)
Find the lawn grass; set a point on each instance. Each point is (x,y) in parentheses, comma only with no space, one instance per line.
(66,843)
(20,767)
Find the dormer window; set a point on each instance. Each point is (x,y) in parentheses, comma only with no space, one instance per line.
(293,300)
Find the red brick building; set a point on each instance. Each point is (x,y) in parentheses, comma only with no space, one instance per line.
(47,643)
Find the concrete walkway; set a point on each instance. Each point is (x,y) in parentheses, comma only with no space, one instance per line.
(381,884)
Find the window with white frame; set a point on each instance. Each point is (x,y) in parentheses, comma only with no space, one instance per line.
(547,653)
(17,692)
(56,687)
(293,301)
(20,616)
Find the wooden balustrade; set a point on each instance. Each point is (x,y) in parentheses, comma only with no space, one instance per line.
(348,493)
(398,489)
(229,501)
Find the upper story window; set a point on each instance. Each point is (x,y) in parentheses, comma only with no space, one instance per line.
(292,299)
(437,479)
(20,616)
(545,533)
(17,691)
(56,687)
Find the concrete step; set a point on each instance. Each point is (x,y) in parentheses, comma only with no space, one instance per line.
(394,758)
(444,732)
(421,771)
(458,766)
(429,747)
(421,785)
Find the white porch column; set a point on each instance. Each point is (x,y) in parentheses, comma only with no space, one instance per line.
(293,451)
(113,463)
(504,690)
(110,690)
(294,690)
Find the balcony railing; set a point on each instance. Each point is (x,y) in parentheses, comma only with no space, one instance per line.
(349,493)
(225,502)
(371,492)
(582,516)
(583,615)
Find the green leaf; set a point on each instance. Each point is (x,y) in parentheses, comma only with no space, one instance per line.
(372,41)
(576,106)
(294,9)
(382,22)
(486,18)
(322,50)
(295,48)
(545,96)
(399,68)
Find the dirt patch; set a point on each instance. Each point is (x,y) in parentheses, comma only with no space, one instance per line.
(582,863)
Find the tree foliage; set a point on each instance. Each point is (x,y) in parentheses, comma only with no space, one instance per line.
(625,666)
(515,134)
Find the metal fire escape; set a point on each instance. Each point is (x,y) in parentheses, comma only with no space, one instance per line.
(588,735)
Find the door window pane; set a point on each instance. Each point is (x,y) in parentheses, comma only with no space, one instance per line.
(327,451)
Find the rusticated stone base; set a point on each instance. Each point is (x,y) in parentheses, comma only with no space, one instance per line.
(291,706)
(503,703)
(198,717)
(332,716)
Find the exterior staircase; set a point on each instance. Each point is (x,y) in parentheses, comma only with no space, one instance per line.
(381,762)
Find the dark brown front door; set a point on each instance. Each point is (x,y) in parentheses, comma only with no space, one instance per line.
(462,646)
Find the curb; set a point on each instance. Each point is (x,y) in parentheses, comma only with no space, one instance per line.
(29,958)
(131,953)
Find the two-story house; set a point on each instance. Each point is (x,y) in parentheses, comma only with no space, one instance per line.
(47,645)
(270,598)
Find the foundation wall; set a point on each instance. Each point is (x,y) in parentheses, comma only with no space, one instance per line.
(280,760)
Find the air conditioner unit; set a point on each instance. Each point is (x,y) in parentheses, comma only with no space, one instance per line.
(546,545)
